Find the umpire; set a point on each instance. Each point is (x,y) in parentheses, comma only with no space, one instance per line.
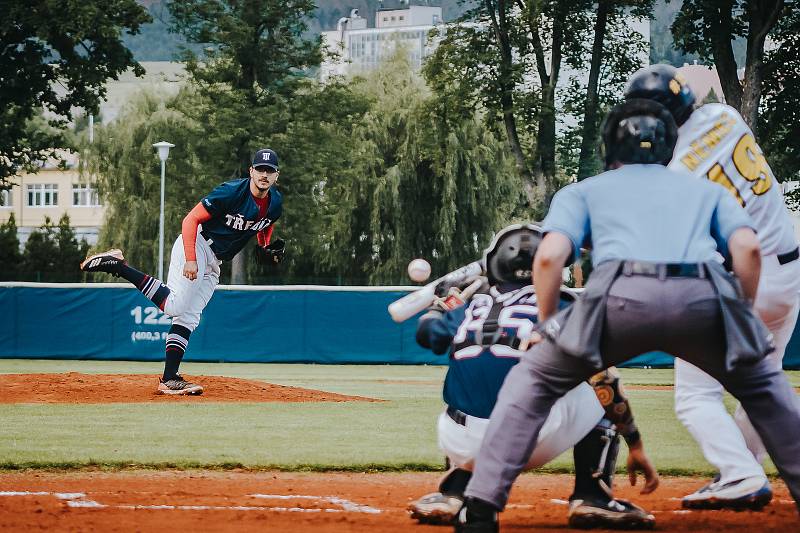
(656,285)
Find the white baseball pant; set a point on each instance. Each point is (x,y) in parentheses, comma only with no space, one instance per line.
(571,418)
(187,298)
(733,446)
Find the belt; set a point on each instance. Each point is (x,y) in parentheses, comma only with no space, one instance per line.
(788,257)
(664,270)
(459,417)
(208,240)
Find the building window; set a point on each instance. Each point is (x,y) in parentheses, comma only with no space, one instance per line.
(6,198)
(42,195)
(85,195)
(385,19)
(401,17)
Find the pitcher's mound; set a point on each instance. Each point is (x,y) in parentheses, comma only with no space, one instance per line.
(75,387)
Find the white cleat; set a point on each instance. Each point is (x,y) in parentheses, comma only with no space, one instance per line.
(748,493)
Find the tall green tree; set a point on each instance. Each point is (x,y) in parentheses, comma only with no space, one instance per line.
(607,63)
(53,253)
(256,59)
(709,29)
(10,255)
(56,56)
(423,184)
(779,126)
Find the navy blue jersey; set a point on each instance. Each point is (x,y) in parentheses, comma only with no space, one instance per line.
(234,216)
(479,358)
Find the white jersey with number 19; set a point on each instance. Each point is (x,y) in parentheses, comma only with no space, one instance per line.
(717,144)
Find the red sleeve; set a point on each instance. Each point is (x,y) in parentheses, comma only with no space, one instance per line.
(264,236)
(196,216)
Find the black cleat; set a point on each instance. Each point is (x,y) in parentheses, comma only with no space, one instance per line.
(178,386)
(477,516)
(104,262)
(610,514)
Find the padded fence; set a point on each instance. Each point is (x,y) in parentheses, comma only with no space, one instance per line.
(286,324)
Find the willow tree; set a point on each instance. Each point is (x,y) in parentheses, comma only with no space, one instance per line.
(126,169)
(422,183)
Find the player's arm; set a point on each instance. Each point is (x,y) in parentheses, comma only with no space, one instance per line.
(746,257)
(554,251)
(733,230)
(436,329)
(608,387)
(191,221)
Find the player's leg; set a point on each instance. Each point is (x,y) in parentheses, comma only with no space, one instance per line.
(459,437)
(570,419)
(772,406)
(188,301)
(530,390)
(592,503)
(698,404)
(777,304)
(113,262)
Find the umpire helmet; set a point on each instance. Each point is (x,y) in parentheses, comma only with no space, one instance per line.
(639,131)
(509,257)
(665,85)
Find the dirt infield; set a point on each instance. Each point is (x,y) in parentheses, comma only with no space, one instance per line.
(316,502)
(74,387)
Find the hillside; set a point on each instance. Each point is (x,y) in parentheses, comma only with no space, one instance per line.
(155,43)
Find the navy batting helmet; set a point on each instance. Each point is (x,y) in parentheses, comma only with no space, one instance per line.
(509,257)
(639,131)
(665,85)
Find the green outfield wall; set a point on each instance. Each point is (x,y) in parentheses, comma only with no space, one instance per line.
(308,324)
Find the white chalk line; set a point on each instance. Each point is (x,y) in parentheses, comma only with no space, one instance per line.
(77,500)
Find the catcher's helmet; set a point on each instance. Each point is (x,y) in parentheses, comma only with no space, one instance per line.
(509,257)
(665,85)
(639,131)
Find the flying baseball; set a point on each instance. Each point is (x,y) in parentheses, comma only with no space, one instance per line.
(419,270)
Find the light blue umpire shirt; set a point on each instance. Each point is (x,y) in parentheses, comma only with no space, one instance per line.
(647,213)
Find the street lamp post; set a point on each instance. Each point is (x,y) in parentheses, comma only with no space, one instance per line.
(163,154)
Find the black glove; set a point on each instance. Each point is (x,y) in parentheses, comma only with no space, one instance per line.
(272,254)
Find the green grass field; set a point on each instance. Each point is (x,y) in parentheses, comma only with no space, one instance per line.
(394,435)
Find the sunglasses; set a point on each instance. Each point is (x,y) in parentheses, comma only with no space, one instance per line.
(266,170)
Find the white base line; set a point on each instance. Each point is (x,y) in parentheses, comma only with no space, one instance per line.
(77,500)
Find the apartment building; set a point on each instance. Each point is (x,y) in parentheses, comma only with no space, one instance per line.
(361,48)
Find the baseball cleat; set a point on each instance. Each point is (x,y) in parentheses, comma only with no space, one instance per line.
(435,508)
(749,493)
(178,385)
(612,514)
(476,516)
(104,261)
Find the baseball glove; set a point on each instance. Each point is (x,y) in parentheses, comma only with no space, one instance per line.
(271,254)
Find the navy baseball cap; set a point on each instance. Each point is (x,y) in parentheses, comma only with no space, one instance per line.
(265,158)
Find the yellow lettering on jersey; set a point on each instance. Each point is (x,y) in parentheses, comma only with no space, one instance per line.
(717,175)
(701,148)
(752,164)
(691,161)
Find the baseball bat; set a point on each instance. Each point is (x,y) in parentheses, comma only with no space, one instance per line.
(414,302)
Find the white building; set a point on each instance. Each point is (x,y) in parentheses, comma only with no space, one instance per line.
(361,49)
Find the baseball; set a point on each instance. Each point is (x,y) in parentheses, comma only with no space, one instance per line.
(419,270)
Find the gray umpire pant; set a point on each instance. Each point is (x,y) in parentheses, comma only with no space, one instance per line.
(679,316)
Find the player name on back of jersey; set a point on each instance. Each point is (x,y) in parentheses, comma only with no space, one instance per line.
(701,148)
